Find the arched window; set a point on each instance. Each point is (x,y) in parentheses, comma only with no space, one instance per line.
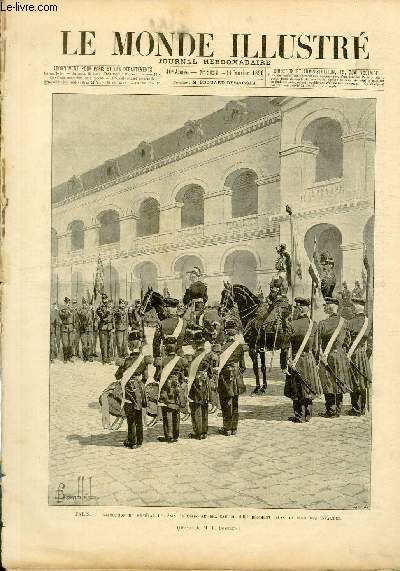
(149,218)
(326,134)
(109,227)
(244,192)
(77,230)
(192,213)
(54,243)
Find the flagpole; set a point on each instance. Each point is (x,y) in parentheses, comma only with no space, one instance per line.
(126,285)
(57,289)
(292,261)
(312,281)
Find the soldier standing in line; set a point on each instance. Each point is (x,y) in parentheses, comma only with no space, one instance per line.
(359,335)
(54,327)
(199,386)
(133,373)
(171,376)
(85,329)
(173,325)
(302,382)
(334,364)
(67,318)
(230,381)
(104,314)
(121,328)
(113,344)
(75,335)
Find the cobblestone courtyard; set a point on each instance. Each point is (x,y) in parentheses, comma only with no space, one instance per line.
(271,463)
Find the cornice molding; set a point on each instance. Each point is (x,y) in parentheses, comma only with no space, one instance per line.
(202,146)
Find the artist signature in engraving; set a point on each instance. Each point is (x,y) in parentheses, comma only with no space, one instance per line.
(83,495)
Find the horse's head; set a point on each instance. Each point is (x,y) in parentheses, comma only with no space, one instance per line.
(146,304)
(227,299)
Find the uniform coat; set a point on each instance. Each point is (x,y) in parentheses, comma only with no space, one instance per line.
(106,326)
(200,393)
(335,378)
(135,396)
(172,396)
(67,319)
(165,328)
(303,381)
(121,330)
(230,386)
(84,317)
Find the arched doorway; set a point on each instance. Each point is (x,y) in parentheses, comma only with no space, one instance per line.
(183,266)
(328,239)
(243,184)
(326,134)
(240,267)
(146,276)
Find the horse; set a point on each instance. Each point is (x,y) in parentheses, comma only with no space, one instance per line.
(262,323)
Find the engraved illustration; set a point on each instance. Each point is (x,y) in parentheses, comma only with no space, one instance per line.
(212,265)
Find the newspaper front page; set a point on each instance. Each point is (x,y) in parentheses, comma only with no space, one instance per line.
(199,255)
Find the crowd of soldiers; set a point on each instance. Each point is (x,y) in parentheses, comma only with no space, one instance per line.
(329,358)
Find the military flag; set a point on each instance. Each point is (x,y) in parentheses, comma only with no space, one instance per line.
(98,288)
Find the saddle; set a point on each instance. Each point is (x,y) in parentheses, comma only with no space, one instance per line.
(270,315)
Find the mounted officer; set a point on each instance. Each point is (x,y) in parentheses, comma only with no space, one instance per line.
(196,293)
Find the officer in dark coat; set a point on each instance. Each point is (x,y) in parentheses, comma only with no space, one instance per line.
(85,329)
(171,376)
(106,326)
(121,327)
(134,396)
(360,330)
(200,373)
(172,325)
(67,318)
(230,381)
(197,291)
(302,382)
(334,367)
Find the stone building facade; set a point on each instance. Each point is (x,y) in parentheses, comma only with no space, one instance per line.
(213,194)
